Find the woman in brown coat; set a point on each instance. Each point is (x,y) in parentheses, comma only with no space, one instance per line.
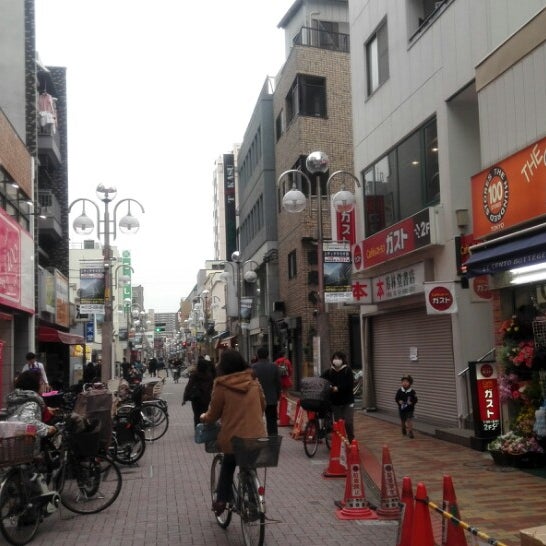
(238,401)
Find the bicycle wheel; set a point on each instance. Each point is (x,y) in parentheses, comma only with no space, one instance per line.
(311,437)
(328,428)
(252,516)
(130,447)
(91,485)
(156,422)
(224,518)
(19,517)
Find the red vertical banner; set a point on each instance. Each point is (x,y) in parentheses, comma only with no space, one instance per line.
(345,226)
(1,370)
(486,400)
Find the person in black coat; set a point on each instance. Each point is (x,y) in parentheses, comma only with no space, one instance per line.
(198,389)
(269,376)
(406,398)
(340,375)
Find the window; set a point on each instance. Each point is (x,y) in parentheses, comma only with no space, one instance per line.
(307,97)
(404,181)
(279,125)
(377,58)
(292,265)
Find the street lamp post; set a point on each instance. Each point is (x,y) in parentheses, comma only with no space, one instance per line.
(295,201)
(107,227)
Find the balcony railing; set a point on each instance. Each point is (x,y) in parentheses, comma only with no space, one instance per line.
(323,39)
(51,209)
(49,143)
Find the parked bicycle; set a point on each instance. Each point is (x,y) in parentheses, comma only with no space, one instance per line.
(24,497)
(248,492)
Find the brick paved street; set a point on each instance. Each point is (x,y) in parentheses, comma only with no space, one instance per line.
(165,499)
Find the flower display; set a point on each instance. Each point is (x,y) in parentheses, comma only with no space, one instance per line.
(523,354)
(509,387)
(515,444)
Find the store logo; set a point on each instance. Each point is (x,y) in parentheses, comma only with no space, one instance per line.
(486,370)
(495,195)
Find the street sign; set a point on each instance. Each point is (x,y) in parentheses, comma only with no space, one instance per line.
(89,331)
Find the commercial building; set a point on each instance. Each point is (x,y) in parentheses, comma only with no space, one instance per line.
(443,94)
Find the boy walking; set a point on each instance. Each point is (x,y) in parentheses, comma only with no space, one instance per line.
(406,398)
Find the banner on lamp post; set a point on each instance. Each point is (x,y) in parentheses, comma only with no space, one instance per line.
(92,289)
(440,298)
(337,272)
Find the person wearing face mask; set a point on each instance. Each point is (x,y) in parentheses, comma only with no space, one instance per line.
(340,376)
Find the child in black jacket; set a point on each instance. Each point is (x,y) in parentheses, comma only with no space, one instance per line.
(406,398)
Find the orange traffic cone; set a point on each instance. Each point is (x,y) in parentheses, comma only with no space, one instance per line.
(355,505)
(452,532)
(407,516)
(390,499)
(421,531)
(284,418)
(299,418)
(337,466)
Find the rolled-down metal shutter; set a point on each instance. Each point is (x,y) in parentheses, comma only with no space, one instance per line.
(433,372)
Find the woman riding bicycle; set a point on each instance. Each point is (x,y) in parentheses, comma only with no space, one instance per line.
(238,400)
(340,376)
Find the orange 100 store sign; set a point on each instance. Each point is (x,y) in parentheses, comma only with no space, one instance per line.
(510,192)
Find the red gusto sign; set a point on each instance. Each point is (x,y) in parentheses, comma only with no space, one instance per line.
(486,399)
(397,240)
(440,298)
(345,222)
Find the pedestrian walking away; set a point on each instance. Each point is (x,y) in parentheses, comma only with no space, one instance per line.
(198,389)
(406,398)
(239,402)
(269,377)
(34,366)
(340,376)
(285,368)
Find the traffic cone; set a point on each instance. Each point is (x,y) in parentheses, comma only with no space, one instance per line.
(284,418)
(407,515)
(298,422)
(337,465)
(452,532)
(421,531)
(390,498)
(355,505)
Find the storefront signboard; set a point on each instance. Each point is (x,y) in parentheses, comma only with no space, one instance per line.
(396,284)
(400,239)
(486,400)
(510,192)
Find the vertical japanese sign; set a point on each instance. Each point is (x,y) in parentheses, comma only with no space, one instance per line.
(127,287)
(345,227)
(485,397)
(92,289)
(229,204)
(61,299)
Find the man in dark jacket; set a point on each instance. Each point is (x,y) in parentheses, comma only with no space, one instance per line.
(269,377)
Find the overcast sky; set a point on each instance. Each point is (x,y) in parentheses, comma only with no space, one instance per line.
(157,91)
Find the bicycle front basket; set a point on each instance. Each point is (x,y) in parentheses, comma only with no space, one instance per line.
(16,450)
(257,452)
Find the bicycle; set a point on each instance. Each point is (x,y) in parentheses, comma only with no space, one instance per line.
(319,427)
(24,501)
(248,493)
(76,465)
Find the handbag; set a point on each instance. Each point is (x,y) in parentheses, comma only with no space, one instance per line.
(206,432)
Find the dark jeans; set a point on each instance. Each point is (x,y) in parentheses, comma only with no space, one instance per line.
(225,479)
(198,408)
(271,420)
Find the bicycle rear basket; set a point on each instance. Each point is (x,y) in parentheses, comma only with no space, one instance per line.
(257,452)
(16,450)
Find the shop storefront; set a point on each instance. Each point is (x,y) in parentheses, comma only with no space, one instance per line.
(509,212)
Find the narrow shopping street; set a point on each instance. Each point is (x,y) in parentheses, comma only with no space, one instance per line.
(165,499)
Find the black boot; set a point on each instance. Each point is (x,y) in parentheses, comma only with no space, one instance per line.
(404,429)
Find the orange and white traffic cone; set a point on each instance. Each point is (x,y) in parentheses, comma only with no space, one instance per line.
(421,531)
(337,465)
(407,515)
(355,505)
(284,418)
(390,499)
(299,421)
(452,532)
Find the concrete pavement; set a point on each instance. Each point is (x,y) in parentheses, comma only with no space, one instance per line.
(165,499)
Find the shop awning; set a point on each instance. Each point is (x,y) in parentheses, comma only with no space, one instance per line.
(46,334)
(510,255)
